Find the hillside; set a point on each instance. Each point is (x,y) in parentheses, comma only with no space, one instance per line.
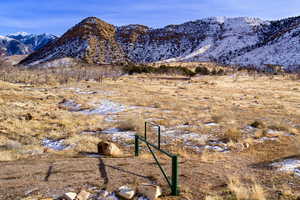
(236,41)
(92,41)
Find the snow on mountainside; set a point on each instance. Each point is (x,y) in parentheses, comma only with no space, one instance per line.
(92,41)
(33,41)
(239,41)
(22,43)
(10,46)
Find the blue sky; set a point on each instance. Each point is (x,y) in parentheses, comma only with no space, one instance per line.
(56,16)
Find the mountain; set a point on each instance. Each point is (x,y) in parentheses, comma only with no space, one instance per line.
(23,43)
(11,46)
(92,41)
(236,41)
(33,41)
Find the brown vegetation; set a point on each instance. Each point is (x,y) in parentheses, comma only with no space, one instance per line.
(29,109)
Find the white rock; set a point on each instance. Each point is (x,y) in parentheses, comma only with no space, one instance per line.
(126,192)
(150,191)
(83,195)
(69,196)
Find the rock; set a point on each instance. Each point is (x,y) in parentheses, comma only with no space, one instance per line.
(274,133)
(150,191)
(109,149)
(69,196)
(83,195)
(126,192)
(103,194)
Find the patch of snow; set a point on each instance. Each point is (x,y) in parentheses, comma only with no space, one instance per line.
(106,107)
(143,198)
(92,155)
(216,148)
(118,134)
(5,38)
(288,165)
(263,139)
(80,91)
(211,124)
(57,145)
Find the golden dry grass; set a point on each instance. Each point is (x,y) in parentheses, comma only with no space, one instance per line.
(30,113)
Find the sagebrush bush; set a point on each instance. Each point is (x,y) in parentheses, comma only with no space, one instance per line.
(163,69)
(202,70)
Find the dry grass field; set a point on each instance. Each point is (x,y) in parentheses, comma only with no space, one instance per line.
(228,130)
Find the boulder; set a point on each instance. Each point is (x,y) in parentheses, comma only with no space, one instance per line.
(126,192)
(150,191)
(83,195)
(109,149)
(69,196)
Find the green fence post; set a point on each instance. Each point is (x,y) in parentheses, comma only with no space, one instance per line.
(145,131)
(158,137)
(136,145)
(174,188)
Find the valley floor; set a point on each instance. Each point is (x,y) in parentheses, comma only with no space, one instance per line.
(236,135)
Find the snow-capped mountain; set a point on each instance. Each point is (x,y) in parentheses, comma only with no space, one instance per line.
(239,41)
(22,43)
(10,46)
(33,41)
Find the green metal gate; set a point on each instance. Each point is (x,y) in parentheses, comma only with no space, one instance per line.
(173,183)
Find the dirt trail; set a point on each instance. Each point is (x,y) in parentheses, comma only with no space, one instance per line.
(51,176)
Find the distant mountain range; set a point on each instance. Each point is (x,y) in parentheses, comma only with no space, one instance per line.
(22,43)
(236,41)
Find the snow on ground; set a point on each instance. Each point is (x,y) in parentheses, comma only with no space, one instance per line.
(57,145)
(117,134)
(106,107)
(288,165)
(211,124)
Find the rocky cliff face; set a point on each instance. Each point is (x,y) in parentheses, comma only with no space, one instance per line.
(243,41)
(92,41)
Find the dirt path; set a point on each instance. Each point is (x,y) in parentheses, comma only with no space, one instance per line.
(51,176)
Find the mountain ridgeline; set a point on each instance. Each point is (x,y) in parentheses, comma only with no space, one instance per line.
(240,41)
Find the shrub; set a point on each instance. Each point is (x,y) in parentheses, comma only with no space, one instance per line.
(132,69)
(163,69)
(221,72)
(233,134)
(202,70)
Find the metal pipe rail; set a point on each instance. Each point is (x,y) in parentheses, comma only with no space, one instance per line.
(173,183)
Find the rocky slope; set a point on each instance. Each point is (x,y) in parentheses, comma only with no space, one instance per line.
(92,41)
(23,43)
(242,41)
